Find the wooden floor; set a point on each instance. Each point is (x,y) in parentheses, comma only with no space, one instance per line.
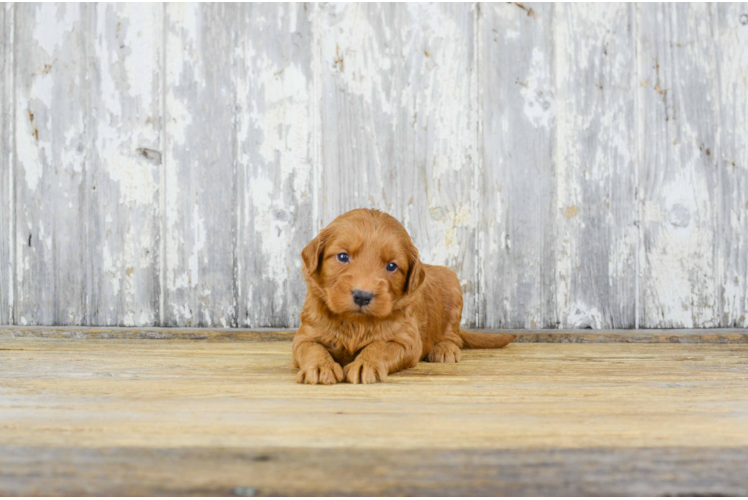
(118,417)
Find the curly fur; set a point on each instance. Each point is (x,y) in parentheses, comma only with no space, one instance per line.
(415,313)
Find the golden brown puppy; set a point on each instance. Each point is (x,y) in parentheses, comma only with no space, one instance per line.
(372,308)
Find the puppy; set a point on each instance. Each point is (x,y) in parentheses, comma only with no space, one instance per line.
(372,308)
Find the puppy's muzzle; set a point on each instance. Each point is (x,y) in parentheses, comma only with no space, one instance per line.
(361,297)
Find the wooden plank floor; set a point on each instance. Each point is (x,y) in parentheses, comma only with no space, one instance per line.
(114,417)
(674,336)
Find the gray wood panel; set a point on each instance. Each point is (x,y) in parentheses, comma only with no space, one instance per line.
(123,218)
(275,144)
(52,114)
(595,157)
(731,22)
(518,196)
(577,165)
(398,124)
(678,116)
(200,166)
(6,161)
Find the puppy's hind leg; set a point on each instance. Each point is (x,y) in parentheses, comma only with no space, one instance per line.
(445,351)
(447,345)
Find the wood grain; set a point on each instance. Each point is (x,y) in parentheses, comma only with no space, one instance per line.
(178,416)
(596,191)
(123,218)
(243,394)
(731,27)
(678,173)
(685,336)
(275,177)
(200,198)
(7,209)
(53,144)
(339,472)
(518,195)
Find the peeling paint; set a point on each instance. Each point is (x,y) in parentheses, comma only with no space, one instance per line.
(135,177)
(51,27)
(583,316)
(680,271)
(275,149)
(198,230)
(578,166)
(140,77)
(537,91)
(448,224)
(31,151)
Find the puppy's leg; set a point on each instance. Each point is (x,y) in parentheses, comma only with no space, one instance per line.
(379,359)
(316,365)
(446,350)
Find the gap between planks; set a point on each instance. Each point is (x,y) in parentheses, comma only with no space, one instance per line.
(684,336)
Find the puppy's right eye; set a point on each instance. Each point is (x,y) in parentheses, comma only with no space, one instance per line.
(343,257)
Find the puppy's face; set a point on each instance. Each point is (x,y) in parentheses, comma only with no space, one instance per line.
(362,265)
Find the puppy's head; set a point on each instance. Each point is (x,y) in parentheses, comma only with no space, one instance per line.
(362,265)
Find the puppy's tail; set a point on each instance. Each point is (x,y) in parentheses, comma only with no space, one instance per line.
(474,340)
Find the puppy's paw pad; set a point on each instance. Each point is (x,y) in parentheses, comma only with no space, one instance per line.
(326,374)
(445,352)
(365,372)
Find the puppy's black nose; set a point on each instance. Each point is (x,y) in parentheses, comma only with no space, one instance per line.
(362,298)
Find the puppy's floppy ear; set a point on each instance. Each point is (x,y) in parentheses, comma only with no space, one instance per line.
(311,256)
(416,271)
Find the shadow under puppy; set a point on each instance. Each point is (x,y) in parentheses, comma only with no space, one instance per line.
(372,308)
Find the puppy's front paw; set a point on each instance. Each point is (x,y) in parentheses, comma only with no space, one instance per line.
(445,352)
(365,372)
(326,374)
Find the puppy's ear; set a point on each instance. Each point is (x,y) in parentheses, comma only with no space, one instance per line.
(311,256)
(416,272)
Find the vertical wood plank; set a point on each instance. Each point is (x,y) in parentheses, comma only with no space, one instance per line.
(274,79)
(51,115)
(399,124)
(357,136)
(124,219)
(677,122)
(200,181)
(595,162)
(6,164)
(732,64)
(518,262)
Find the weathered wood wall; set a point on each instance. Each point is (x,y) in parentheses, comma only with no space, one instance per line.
(577,165)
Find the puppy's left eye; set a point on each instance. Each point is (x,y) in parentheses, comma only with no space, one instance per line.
(392,267)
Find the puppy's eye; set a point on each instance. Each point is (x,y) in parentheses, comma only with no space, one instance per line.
(343,257)
(392,267)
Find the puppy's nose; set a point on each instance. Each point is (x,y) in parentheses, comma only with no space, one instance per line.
(362,298)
